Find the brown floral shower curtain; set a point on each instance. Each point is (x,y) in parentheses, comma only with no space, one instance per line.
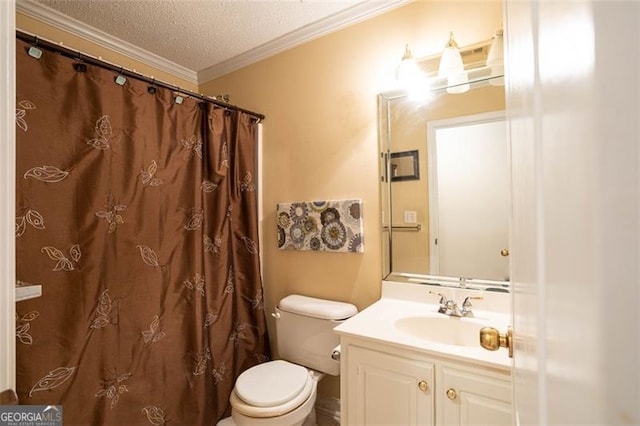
(138,216)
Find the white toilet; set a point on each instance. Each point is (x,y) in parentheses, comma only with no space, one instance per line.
(283,392)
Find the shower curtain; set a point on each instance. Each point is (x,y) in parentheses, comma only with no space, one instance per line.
(138,216)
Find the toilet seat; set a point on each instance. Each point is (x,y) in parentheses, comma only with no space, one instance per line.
(271,389)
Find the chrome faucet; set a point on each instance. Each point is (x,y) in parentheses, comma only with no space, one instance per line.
(443,302)
(466,305)
(451,308)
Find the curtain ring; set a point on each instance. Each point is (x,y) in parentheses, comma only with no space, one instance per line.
(120,79)
(151,88)
(34,51)
(80,67)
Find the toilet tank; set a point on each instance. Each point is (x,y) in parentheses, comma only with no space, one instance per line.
(304,331)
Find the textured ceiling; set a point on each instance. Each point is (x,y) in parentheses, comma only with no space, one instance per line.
(199,34)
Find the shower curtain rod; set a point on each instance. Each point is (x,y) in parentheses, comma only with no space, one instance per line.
(83,57)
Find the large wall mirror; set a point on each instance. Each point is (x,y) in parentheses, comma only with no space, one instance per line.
(450,224)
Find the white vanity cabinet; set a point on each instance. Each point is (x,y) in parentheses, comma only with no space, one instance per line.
(386,389)
(471,396)
(388,385)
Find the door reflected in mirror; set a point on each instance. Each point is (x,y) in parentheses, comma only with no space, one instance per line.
(469,196)
(451,221)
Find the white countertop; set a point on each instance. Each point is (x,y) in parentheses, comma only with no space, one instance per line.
(377,323)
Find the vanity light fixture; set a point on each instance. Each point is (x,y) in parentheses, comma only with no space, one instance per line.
(495,58)
(452,68)
(411,78)
(408,71)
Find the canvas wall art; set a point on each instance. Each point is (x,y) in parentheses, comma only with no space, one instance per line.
(330,225)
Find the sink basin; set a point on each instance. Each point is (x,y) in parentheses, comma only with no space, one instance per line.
(444,330)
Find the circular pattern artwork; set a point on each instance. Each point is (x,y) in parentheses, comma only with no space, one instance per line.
(321,226)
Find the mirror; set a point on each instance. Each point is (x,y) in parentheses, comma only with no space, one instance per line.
(404,165)
(446,221)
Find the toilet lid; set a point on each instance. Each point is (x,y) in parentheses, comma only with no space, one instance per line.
(272,383)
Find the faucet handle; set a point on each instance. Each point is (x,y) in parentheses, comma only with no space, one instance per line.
(443,301)
(443,298)
(468,299)
(466,305)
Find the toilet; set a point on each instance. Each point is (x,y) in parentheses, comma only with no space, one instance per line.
(283,392)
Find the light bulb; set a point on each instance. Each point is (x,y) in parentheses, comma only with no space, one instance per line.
(458,83)
(495,59)
(408,71)
(496,50)
(450,61)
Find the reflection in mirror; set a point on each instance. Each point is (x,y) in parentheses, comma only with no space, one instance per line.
(469,196)
(404,165)
(450,225)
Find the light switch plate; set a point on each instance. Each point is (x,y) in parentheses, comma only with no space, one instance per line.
(410,216)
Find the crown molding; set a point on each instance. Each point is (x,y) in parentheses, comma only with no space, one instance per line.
(70,25)
(353,15)
(350,16)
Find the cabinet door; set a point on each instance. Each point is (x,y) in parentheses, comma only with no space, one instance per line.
(474,398)
(386,389)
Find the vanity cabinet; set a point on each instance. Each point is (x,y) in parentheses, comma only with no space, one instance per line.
(387,385)
(474,397)
(386,389)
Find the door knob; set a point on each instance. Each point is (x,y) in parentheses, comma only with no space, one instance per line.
(504,252)
(422,385)
(451,394)
(492,340)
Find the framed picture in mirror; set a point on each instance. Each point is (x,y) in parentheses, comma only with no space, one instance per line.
(404,166)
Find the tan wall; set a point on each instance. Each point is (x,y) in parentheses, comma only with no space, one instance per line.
(35,27)
(320,134)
